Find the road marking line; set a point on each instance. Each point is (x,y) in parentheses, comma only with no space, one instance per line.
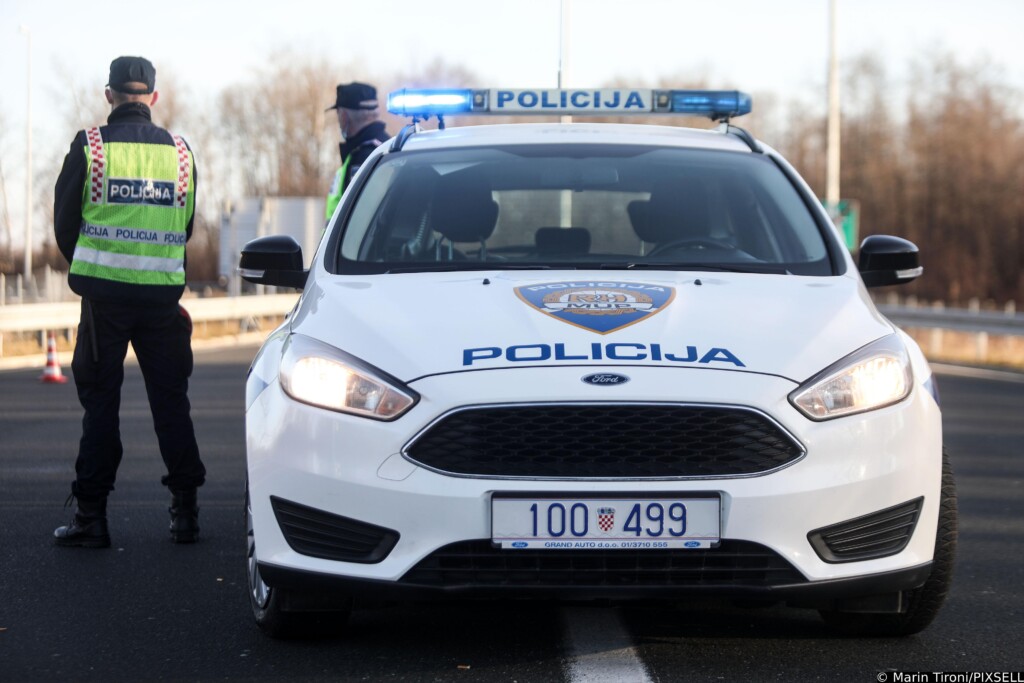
(600,649)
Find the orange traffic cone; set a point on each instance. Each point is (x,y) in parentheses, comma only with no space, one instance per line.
(51,373)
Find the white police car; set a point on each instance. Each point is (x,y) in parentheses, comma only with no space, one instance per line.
(591,361)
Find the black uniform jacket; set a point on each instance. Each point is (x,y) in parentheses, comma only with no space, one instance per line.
(360,146)
(130,122)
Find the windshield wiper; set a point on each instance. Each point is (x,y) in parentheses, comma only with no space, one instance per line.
(462,266)
(645,265)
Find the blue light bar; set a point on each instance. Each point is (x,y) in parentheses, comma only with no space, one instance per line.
(716,104)
(430,102)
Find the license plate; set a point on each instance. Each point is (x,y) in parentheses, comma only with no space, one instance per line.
(605,523)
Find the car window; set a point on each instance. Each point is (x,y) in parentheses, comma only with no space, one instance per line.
(581,206)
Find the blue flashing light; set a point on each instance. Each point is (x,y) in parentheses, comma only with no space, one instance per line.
(430,102)
(716,104)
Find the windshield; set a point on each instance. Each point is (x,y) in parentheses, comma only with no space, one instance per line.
(581,206)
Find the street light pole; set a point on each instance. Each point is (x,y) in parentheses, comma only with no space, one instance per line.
(832,150)
(565,204)
(563,50)
(28,161)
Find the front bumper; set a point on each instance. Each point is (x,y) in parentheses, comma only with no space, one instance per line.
(827,593)
(353,467)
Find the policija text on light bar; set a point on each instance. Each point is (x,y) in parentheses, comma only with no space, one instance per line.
(716,104)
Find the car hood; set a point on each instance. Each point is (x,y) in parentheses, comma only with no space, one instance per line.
(418,324)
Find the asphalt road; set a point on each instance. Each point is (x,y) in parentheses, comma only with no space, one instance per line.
(150,610)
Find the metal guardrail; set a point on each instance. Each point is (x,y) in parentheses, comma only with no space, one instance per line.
(40,318)
(965,320)
(58,316)
(62,316)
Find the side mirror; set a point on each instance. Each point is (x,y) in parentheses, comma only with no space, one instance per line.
(273,260)
(887,260)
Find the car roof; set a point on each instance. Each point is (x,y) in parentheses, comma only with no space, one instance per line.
(573,133)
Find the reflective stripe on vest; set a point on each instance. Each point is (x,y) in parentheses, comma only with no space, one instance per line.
(99,162)
(135,211)
(184,172)
(129,261)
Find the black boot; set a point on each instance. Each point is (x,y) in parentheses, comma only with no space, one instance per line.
(184,516)
(88,528)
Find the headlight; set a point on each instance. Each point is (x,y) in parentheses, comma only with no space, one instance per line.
(872,377)
(323,376)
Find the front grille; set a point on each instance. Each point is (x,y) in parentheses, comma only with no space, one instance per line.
(479,564)
(580,441)
(879,534)
(332,537)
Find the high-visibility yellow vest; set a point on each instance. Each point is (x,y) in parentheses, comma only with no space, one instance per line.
(337,189)
(136,205)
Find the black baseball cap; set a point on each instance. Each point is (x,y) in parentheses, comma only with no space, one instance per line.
(355,96)
(134,71)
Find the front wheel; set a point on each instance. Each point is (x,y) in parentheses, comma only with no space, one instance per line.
(924,602)
(267,602)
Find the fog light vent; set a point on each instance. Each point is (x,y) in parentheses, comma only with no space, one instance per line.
(316,533)
(879,534)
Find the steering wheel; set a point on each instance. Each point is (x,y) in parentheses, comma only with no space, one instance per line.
(692,242)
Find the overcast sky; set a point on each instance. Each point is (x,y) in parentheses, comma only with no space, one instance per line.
(755,45)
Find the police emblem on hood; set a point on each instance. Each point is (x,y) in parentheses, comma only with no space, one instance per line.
(600,307)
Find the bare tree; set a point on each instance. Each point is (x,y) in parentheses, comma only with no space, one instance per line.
(965,142)
(942,166)
(81,104)
(275,127)
(171,110)
(874,168)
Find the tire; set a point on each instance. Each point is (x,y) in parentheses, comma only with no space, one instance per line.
(267,601)
(924,602)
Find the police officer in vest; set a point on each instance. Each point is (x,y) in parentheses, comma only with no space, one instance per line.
(362,131)
(123,210)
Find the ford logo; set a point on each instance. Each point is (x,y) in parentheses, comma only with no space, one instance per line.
(519,544)
(692,544)
(605,378)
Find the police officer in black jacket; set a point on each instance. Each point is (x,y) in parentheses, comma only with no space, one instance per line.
(124,206)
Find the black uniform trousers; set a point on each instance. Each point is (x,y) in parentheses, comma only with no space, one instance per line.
(161,336)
